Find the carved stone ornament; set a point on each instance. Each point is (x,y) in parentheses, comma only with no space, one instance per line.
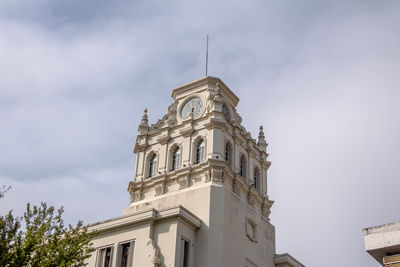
(211,96)
(215,175)
(153,253)
(183,182)
(160,189)
(208,175)
(266,208)
(171,116)
(136,195)
(236,119)
(251,229)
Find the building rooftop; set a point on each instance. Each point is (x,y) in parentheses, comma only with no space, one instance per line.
(382,240)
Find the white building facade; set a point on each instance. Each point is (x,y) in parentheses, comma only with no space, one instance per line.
(199,196)
(383,243)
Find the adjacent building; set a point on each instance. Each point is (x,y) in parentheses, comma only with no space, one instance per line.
(199,195)
(383,243)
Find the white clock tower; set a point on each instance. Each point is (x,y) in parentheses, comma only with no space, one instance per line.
(199,194)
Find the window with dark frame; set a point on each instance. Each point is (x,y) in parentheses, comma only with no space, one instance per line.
(256,177)
(152,165)
(175,159)
(125,254)
(242,167)
(228,153)
(199,152)
(185,253)
(107,257)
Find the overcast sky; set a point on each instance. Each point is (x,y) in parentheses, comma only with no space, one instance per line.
(321,76)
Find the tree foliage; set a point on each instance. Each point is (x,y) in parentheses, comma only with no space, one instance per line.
(40,239)
(3,190)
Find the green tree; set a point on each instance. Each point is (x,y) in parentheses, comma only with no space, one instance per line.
(40,239)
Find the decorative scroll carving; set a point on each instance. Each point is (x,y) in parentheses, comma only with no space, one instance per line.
(153,253)
(171,116)
(168,119)
(266,208)
(214,96)
(211,97)
(183,182)
(236,119)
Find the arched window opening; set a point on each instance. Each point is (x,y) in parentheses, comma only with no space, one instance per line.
(242,167)
(256,181)
(176,157)
(200,152)
(228,153)
(152,165)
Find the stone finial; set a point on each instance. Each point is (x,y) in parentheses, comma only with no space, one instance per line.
(145,120)
(144,123)
(261,140)
(261,134)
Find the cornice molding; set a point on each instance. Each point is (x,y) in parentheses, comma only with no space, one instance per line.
(208,80)
(151,215)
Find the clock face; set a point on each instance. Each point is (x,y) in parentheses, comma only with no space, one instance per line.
(195,104)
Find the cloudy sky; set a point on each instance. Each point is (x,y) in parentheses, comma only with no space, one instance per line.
(321,76)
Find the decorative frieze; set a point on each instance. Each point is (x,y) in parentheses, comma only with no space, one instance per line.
(160,189)
(216,175)
(183,182)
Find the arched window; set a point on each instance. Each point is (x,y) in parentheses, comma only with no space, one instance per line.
(256,177)
(228,153)
(153,165)
(243,168)
(176,157)
(199,152)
